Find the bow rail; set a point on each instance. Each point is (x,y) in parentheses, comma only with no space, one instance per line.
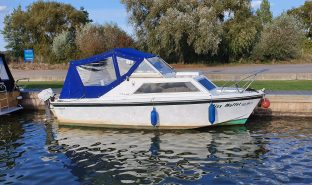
(245,79)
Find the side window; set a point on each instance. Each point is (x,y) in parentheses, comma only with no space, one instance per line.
(3,73)
(166,88)
(207,84)
(99,73)
(124,65)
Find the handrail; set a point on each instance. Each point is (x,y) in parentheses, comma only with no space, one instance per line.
(22,79)
(16,82)
(251,77)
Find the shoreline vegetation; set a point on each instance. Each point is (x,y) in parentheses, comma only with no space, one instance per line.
(307,59)
(280,85)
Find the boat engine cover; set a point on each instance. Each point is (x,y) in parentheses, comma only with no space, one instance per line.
(46,94)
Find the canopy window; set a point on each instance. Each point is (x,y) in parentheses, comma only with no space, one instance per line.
(99,73)
(3,72)
(5,75)
(124,65)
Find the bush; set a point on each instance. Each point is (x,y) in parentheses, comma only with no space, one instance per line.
(308,46)
(281,40)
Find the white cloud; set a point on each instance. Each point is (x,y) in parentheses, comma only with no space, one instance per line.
(255,4)
(2,8)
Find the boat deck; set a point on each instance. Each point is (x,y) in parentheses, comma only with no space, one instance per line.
(9,110)
(9,102)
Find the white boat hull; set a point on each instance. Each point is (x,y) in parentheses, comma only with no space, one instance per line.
(171,115)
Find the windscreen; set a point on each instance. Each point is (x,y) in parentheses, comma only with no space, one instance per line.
(161,65)
(144,67)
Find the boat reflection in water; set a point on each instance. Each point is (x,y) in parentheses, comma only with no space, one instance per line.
(136,156)
(11,133)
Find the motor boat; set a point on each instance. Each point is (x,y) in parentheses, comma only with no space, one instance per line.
(125,87)
(9,92)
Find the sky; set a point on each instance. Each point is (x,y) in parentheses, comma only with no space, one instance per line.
(107,11)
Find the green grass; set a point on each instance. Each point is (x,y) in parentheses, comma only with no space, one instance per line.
(289,85)
(41,84)
(268,85)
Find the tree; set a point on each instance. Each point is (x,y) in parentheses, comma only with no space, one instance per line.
(281,39)
(305,14)
(14,32)
(94,39)
(115,37)
(240,33)
(185,30)
(264,13)
(64,47)
(89,40)
(37,26)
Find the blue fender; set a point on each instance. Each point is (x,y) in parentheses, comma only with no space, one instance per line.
(212,113)
(154,117)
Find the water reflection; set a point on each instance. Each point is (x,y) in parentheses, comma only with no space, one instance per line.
(155,144)
(23,155)
(151,156)
(10,134)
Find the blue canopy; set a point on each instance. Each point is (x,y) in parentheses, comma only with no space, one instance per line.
(94,76)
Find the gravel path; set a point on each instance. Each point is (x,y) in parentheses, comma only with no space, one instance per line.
(240,69)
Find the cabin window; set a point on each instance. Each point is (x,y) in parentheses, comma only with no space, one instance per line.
(160,65)
(3,72)
(124,65)
(99,73)
(173,87)
(207,84)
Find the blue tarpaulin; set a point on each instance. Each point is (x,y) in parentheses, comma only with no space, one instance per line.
(74,86)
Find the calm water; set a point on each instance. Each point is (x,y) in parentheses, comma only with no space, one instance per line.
(35,151)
